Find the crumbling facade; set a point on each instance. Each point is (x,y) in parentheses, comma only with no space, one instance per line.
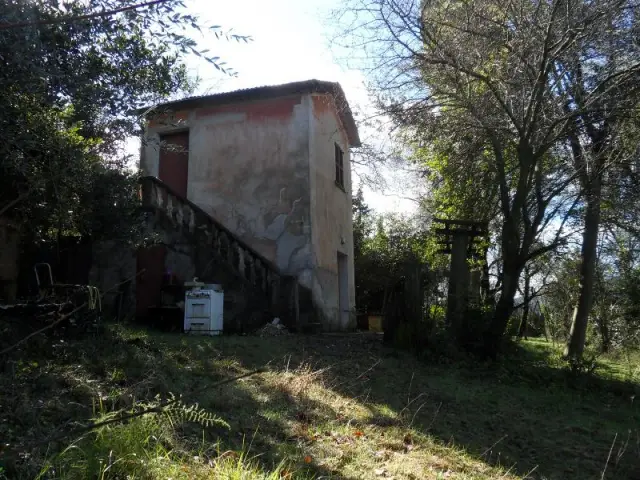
(271,165)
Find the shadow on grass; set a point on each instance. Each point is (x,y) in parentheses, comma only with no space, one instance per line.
(522,413)
(53,385)
(539,362)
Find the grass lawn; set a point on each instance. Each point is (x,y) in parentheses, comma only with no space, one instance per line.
(328,406)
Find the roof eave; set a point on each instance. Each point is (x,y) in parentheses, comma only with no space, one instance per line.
(294,88)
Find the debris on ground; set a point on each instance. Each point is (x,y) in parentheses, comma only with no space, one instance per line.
(273,329)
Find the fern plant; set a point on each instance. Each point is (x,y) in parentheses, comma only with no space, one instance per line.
(144,445)
(177,411)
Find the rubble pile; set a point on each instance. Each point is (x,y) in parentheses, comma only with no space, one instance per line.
(273,329)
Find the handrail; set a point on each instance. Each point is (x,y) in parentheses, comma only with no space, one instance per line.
(213,221)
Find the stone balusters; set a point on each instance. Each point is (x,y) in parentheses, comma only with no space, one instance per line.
(185,215)
(249,268)
(225,246)
(238,259)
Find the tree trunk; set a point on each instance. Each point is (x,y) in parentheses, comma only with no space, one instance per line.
(9,265)
(504,309)
(485,285)
(578,332)
(545,328)
(522,331)
(604,332)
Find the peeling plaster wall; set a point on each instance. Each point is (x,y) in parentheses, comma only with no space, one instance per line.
(266,170)
(249,169)
(331,214)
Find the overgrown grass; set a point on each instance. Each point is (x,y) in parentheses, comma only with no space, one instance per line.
(147,447)
(328,406)
(620,369)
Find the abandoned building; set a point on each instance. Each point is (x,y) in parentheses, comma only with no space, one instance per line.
(251,190)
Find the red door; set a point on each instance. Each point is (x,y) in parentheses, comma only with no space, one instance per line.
(174,161)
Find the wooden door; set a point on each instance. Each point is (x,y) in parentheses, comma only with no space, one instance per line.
(174,161)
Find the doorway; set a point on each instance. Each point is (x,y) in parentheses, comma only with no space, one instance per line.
(173,168)
(150,261)
(343,290)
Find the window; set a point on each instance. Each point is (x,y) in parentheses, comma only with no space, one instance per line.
(339,166)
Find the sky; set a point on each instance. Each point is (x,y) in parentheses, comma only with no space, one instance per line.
(291,42)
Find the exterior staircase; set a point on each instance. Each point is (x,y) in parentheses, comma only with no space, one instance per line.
(255,290)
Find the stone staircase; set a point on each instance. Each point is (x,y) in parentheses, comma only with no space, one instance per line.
(256,291)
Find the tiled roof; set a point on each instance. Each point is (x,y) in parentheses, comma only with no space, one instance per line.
(273,91)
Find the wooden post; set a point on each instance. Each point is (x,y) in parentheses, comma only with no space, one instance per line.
(458,238)
(458,295)
(475,280)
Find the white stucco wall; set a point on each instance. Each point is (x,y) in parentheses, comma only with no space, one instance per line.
(266,170)
(331,214)
(248,168)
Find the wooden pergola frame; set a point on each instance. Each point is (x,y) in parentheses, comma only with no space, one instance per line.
(475,231)
(461,239)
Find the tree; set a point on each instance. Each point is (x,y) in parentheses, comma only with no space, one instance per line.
(617,292)
(598,82)
(383,257)
(73,73)
(459,190)
(526,302)
(492,75)
(362,229)
(391,277)
(362,222)
(560,297)
(534,284)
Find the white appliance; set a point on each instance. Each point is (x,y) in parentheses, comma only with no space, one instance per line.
(203,312)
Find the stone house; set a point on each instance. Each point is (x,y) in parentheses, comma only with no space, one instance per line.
(267,170)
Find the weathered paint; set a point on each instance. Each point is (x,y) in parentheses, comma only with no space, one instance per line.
(248,168)
(173,166)
(269,109)
(331,214)
(174,119)
(265,169)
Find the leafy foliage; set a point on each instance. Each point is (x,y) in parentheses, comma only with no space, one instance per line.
(615,325)
(515,111)
(148,447)
(178,412)
(72,75)
(384,247)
